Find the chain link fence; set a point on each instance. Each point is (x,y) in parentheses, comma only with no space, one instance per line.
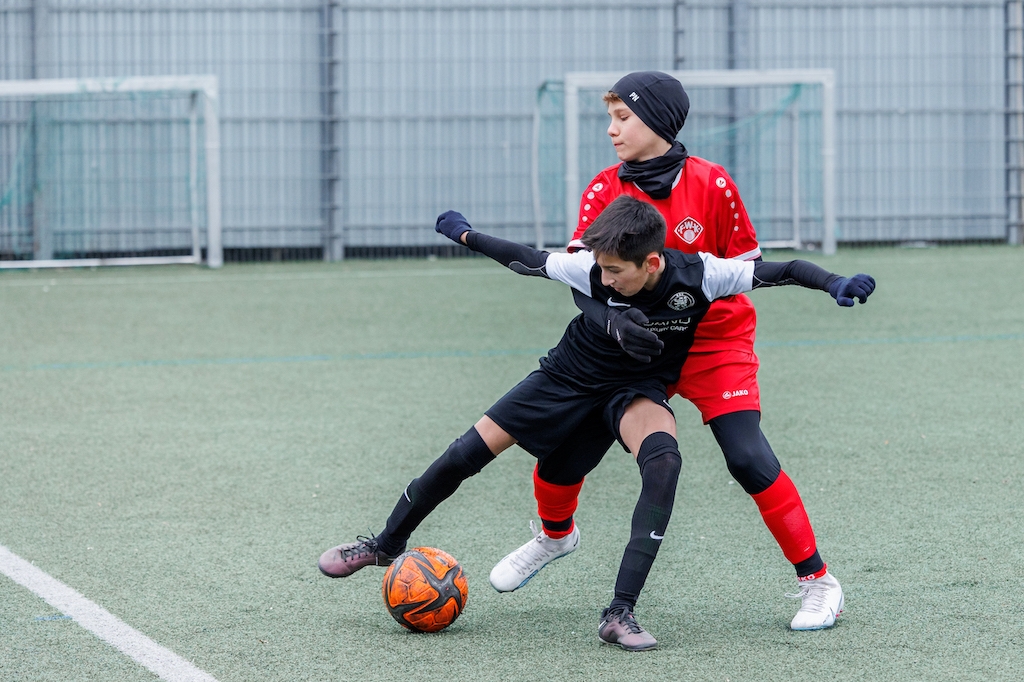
(348,126)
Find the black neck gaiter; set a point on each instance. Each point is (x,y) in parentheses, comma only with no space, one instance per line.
(655,176)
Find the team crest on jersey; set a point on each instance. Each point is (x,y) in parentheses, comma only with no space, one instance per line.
(689,230)
(681,300)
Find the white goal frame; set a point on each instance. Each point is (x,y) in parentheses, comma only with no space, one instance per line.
(576,81)
(199,87)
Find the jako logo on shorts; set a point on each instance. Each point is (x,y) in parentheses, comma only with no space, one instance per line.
(735,394)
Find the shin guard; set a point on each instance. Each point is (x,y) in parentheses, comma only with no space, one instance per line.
(660,463)
(784,514)
(555,505)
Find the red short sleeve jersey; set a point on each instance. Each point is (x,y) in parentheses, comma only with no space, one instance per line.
(704,212)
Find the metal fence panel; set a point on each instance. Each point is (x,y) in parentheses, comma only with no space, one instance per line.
(438,105)
(268,60)
(353,123)
(920,89)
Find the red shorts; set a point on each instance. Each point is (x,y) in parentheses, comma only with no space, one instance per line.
(719,382)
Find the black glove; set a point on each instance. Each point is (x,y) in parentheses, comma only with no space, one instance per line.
(845,289)
(452,224)
(626,327)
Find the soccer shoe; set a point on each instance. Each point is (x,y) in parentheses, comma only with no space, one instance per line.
(822,602)
(619,627)
(516,569)
(344,560)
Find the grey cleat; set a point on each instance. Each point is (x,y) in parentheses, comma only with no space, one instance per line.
(619,627)
(344,560)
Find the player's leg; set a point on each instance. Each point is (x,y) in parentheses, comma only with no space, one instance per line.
(537,413)
(753,464)
(648,429)
(464,458)
(558,478)
(557,481)
(723,386)
(560,474)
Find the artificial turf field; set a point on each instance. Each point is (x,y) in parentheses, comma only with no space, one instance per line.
(179,445)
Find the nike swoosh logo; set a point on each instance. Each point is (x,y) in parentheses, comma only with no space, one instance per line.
(655,536)
(617,304)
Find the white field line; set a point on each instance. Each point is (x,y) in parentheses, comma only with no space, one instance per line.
(161,661)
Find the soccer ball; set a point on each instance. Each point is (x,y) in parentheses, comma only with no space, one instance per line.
(425,589)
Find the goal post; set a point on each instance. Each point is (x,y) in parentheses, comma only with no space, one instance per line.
(734,80)
(110,171)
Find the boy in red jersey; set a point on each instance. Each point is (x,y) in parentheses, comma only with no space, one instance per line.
(703,211)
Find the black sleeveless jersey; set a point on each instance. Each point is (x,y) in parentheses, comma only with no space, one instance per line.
(588,357)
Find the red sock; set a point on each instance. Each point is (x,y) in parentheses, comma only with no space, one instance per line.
(784,514)
(555,505)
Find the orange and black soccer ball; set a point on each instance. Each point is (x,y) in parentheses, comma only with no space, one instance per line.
(425,589)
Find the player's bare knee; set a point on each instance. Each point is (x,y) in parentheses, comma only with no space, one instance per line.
(642,418)
(497,439)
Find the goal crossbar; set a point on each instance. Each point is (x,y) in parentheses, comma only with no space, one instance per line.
(204,86)
(576,81)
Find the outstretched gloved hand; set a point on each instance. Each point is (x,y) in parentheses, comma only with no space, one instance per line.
(453,225)
(845,289)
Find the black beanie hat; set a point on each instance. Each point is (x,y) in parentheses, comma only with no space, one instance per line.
(657,98)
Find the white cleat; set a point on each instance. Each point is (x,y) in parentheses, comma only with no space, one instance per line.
(822,602)
(516,569)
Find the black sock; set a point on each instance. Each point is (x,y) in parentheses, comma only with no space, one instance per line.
(809,566)
(463,458)
(562,526)
(659,463)
(622,603)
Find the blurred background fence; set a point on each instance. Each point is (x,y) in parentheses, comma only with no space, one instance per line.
(347,126)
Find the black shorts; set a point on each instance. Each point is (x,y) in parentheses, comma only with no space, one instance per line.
(548,416)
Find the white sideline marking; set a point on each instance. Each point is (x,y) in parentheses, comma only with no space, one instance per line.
(163,662)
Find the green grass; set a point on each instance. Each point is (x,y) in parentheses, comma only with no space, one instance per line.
(179,445)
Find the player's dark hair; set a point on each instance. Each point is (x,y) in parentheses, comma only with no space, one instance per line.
(629,229)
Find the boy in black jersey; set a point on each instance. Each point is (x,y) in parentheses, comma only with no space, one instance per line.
(587,386)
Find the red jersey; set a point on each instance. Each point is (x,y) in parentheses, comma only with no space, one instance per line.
(704,212)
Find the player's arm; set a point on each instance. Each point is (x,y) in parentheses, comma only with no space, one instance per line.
(519,258)
(805,274)
(725,277)
(572,269)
